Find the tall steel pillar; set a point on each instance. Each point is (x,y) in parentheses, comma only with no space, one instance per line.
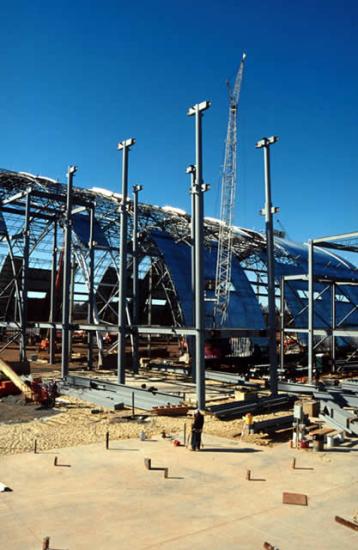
(199,189)
(282,324)
(310,312)
(124,146)
(149,302)
(72,301)
(333,339)
(67,274)
(135,302)
(53,304)
(90,316)
(25,277)
(265,143)
(191,170)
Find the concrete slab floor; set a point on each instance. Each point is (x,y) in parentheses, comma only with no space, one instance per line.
(107,500)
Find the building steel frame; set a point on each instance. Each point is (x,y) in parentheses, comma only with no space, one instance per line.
(335,329)
(35,214)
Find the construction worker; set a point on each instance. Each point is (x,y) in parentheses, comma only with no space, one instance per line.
(196,431)
(248,422)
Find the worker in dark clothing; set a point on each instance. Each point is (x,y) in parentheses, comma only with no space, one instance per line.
(196,430)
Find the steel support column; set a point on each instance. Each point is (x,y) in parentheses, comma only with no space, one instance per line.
(191,170)
(72,301)
(310,311)
(67,274)
(90,315)
(135,302)
(282,324)
(124,146)
(25,276)
(265,143)
(334,317)
(199,189)
(149,303)
(53,301)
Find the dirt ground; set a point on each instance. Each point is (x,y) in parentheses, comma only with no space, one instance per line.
(73,422)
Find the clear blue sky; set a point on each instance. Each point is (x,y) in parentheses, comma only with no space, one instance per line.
(79,76)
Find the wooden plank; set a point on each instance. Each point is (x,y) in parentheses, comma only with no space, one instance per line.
(346,523)
(15,379)
(322,431)
(295,498)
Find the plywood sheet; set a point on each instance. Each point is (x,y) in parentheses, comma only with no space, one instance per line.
(295,498)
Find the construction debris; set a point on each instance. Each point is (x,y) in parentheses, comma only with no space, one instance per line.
(170,410)
(346,523)
(295,498)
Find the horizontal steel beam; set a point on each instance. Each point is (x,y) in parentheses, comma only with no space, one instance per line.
(143,399)
(142,329)
(76,200)
(239,408)
(16,197)
(21,212)
(335,246)
(342,236)
(348,332)
(303,277)
(280,422)
(104,399)
(293,387)
(229,378)
(321,279)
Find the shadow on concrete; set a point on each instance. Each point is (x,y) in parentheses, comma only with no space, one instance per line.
(257,479)
(340,450)
(229,450)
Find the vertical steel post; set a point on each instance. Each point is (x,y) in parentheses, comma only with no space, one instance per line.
(199,188)
(135,302)
(25,277)
(67,273)
(149,318)
(191,170)
(53,301)
(124,146)
(310,311)
(90,315)
(333,344)
(265,144)
(282,324)
(72,301)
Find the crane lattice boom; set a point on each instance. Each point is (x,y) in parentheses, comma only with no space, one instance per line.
(228,192)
